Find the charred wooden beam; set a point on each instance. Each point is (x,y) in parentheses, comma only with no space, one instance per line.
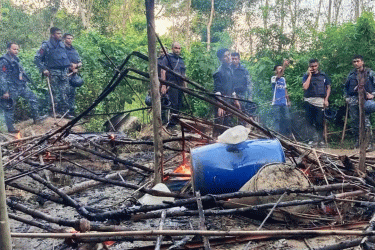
(210,198)
(202,225)
(194,232)
(117,183)
(43,226)
(249,208)
(160,237)
(43,195)
(129,164)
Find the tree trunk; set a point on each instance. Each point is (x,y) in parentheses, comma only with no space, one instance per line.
(282,20)
(265,15)
(337,9)
(82,14)
(210,24)
(155,86)
(356,9)
(329,11)
(188,9)
(318,14)
(293,19)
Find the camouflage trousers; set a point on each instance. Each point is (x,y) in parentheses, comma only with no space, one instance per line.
(354,115)
(72,100)
(60,89)
(27,94)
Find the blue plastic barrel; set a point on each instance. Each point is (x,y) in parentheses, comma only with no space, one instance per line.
(222,168)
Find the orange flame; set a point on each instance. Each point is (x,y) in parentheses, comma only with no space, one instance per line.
(18,136)
(183,169)
(112,137)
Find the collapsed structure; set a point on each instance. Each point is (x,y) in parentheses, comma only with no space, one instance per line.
(94,189)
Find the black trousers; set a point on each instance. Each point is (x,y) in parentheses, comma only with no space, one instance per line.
(315,117)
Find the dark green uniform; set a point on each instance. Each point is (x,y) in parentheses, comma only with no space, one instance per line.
(13,81)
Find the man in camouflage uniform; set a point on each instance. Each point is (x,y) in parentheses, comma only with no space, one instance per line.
(351,93)
(52,60)
(13,85)
(75,65)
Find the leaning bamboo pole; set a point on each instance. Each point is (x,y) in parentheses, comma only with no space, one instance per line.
(194,232)
(5,241)
(155,88)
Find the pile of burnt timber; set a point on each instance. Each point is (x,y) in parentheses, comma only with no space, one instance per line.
(87,188)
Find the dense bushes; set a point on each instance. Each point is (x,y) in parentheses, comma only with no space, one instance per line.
(334,48)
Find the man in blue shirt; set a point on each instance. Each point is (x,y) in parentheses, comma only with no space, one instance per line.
(317,88)
(280,100)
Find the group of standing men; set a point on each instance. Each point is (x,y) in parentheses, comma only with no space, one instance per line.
(232,80)
(58,61)
(317,89)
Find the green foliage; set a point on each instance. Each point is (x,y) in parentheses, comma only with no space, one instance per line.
(200,66)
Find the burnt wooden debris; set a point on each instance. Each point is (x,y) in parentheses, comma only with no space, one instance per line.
(68,184)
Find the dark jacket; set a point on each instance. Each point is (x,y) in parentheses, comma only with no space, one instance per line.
(52,55)
(318,85)
(223,80)
(73,55)
(352,83)
(178,66)
(242,81)
(12,73)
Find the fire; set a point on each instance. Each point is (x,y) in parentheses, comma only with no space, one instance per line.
(18,135)
(112,137)
(183,169)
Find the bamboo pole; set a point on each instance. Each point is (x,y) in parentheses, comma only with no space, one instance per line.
(160,237)
(202,225)
(155,88)
(5,242)
(194,232)
(345,123)
(362,130)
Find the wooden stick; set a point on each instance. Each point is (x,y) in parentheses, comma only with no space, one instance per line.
(325,131)
(79,187)
(271,211)
(5,241)
(345,122)
(343,245)
(320,166)
(249,208)
(129,164)
(43,226)
(51,96)
(182,202)
(194,232)
(368,229)
(202,226)
(160,237)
